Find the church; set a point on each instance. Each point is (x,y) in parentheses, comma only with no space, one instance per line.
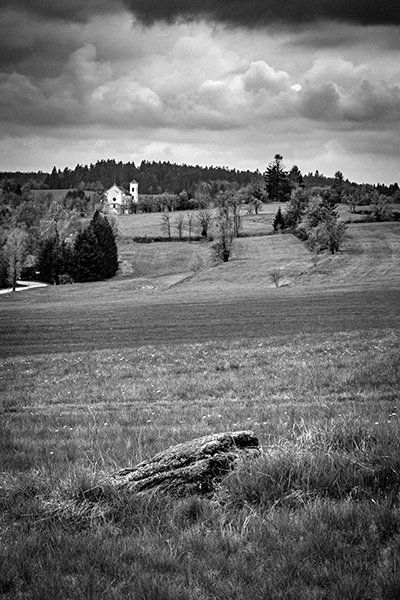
(121,200)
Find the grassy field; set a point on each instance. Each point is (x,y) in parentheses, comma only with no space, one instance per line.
(100,376)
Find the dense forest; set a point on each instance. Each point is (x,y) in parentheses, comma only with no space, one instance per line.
(153,178)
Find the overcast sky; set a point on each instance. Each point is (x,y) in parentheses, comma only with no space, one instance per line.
(210,82)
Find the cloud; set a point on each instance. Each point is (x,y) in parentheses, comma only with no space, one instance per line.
(261,76)
(72,10)
(320,103)
(349,96)
(258,13)
(86,92)
(81,83)
(261,13)
(335,93)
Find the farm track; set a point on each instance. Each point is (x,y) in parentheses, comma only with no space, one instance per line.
(46,328)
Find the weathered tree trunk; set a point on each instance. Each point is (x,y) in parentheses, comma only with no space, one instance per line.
(193,467)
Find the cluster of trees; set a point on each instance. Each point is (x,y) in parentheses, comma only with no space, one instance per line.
(91,255)
(205,194)
(311,214)
(47,238)
(280,182)
(220,227)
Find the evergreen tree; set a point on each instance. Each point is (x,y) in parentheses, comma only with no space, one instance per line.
(108,259)
(53,180)
(95,255)
(338,186)
(87,257)
(49,260)
(277,180)
(296,176)
(279,220)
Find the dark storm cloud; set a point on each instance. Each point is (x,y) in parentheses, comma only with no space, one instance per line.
(70,10)
(247,13)
(255,13)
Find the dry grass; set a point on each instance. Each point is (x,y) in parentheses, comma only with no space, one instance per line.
(316,517)
(100,376)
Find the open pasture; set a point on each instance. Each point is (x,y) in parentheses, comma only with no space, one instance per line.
(316,517)
(356,289)
(96,377)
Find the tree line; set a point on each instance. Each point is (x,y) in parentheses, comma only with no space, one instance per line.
(156,178)
(153,177)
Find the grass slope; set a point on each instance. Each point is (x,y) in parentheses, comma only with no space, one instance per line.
(100,376)
(316,517)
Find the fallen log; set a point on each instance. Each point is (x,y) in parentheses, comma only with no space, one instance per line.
(193,467)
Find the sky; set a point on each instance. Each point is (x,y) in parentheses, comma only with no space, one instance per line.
(209,82)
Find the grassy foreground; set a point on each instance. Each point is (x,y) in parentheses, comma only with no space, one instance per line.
(318,516)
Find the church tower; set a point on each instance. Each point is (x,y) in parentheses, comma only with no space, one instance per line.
(134,190)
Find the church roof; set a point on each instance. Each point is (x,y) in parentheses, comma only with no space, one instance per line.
(119,187)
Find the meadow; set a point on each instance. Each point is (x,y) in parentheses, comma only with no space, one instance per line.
(97,377)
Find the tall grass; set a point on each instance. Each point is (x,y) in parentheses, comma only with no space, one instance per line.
(316,516)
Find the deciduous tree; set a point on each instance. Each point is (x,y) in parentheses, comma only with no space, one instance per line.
(204,217)
(225,234)
(166,224)
(15,251)
(179,221)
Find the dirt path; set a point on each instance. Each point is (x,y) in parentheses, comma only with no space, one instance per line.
(23,285)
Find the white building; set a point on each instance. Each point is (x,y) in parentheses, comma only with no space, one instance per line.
(120,200)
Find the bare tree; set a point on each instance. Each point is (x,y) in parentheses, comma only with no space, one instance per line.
(166,224)
(179,221)
(190,223)
(204,218)
(225,234)
(15,251)
(231,203)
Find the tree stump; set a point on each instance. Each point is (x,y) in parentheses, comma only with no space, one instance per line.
(193,467)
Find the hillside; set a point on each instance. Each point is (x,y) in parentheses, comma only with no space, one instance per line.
(370,257)
(160,297)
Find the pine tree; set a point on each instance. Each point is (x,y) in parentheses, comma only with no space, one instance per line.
(338,186)
(87,257)
(279,220)
(104,234)
(95,255)
(296,177)
(277,180)
(49,261)
(53,181)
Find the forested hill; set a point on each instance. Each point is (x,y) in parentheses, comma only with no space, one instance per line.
(153,177)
